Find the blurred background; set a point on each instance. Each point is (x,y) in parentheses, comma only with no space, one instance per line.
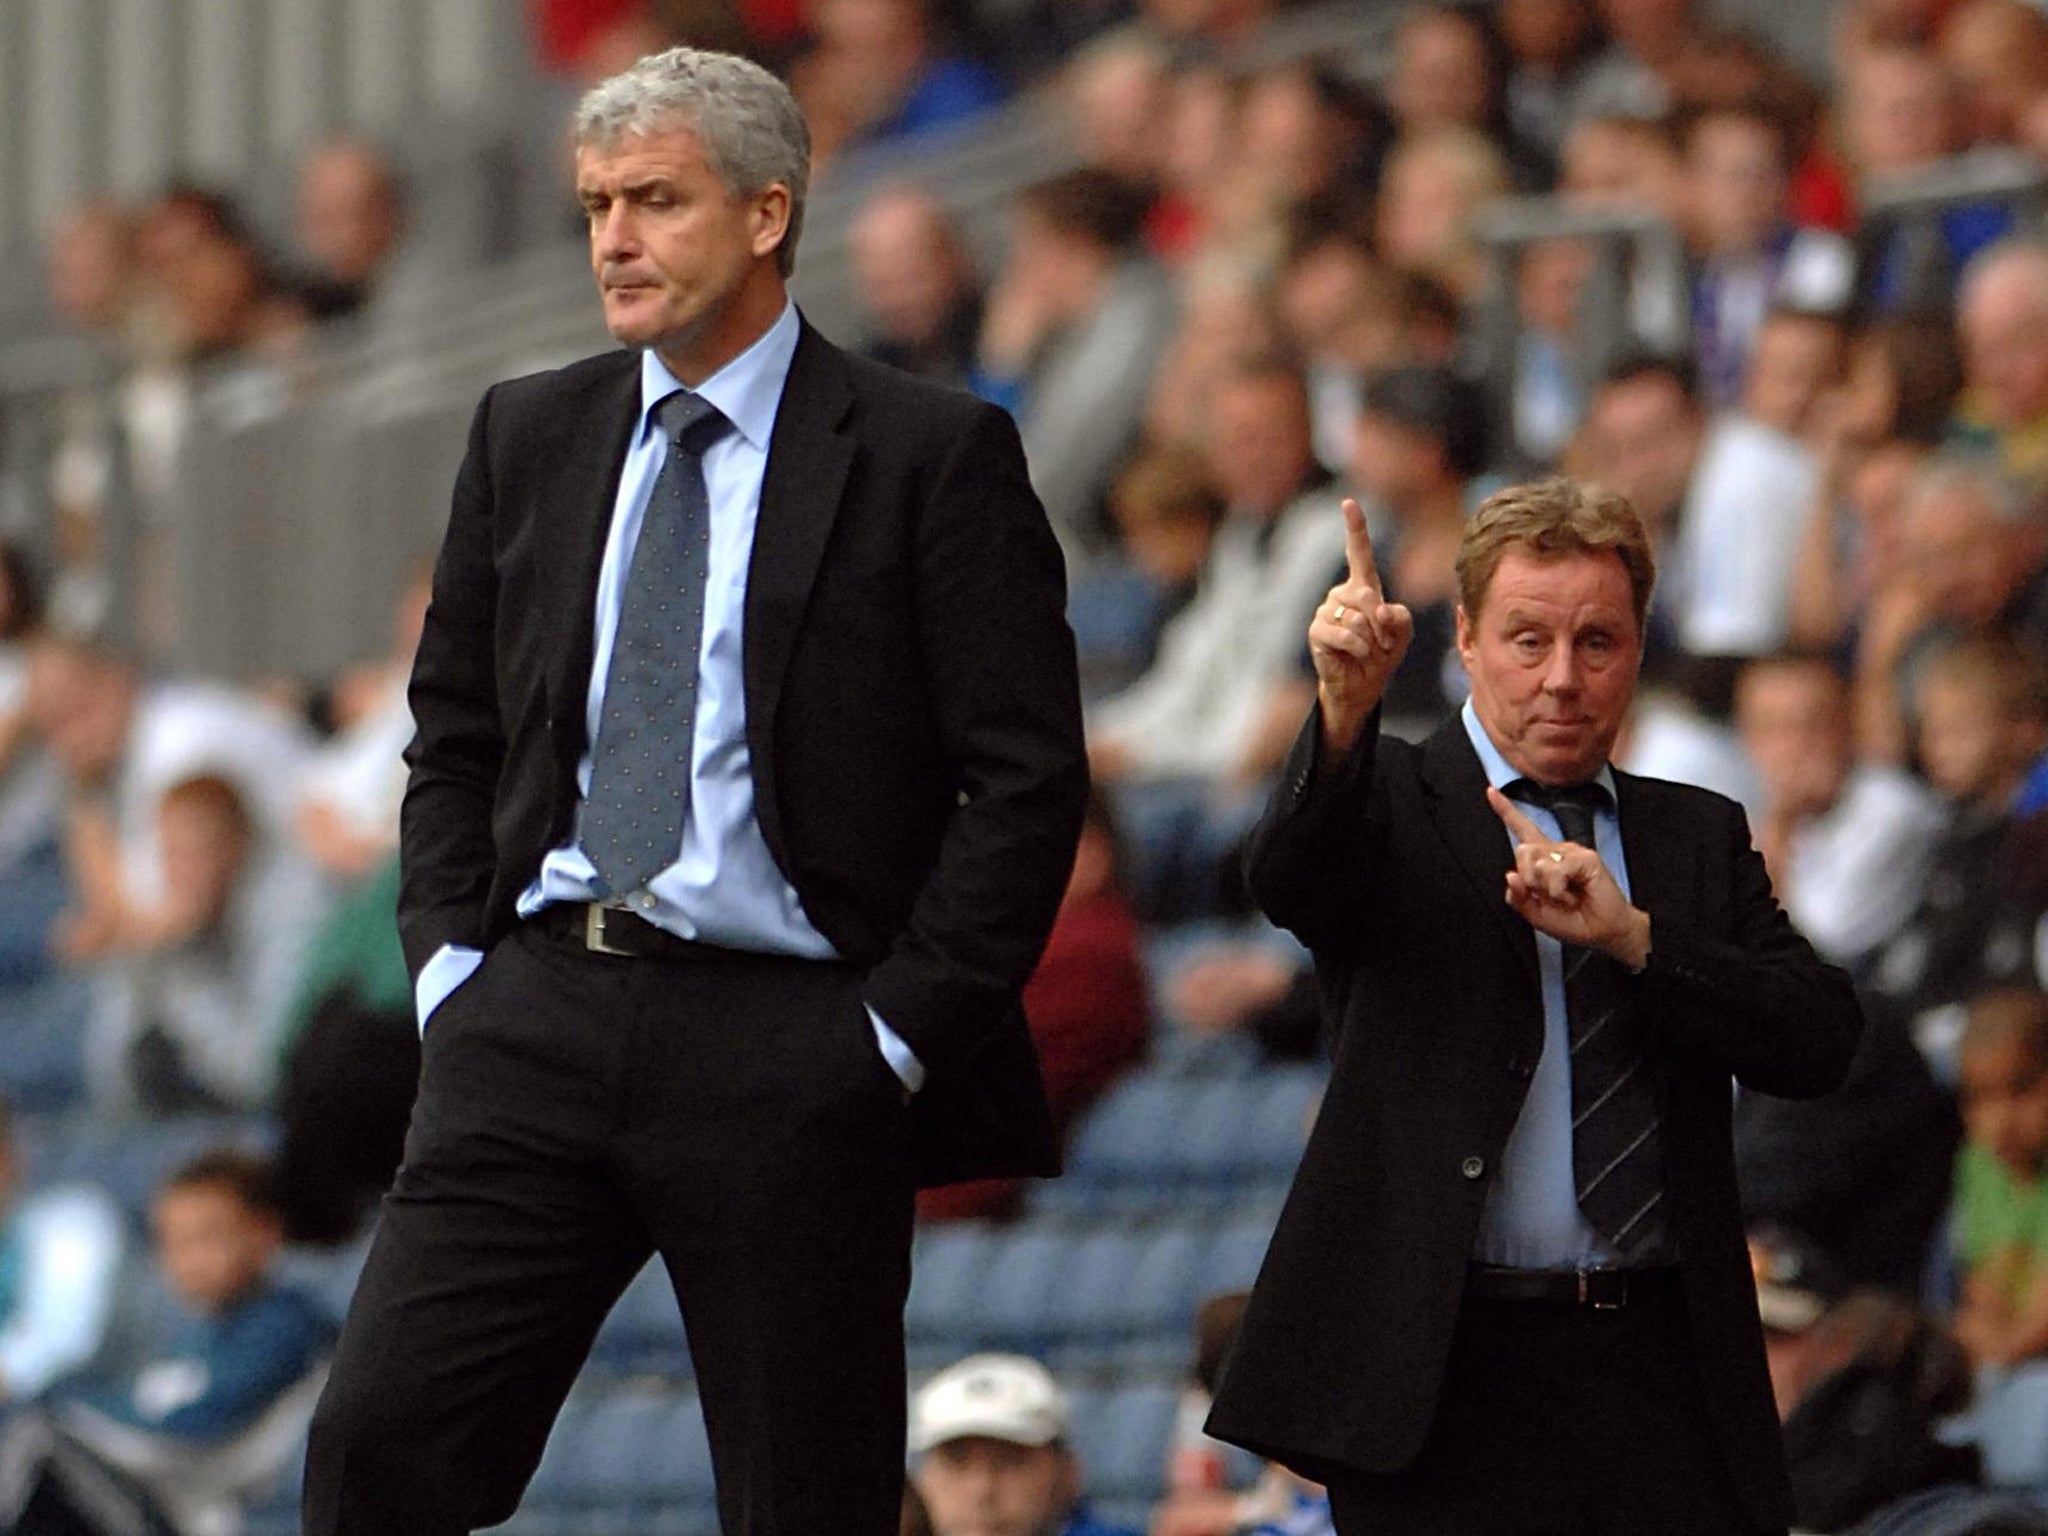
(1773,268)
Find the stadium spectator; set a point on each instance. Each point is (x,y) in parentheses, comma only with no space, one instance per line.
(1225,316)
(1981,710)
(60,1261)
(346,815)
(1077,322)
(918,285)
(1846,842)
(1973,558)
(348,1061)
(219,1406)
(1849,552)
(1451,69)
(1431,193)
(1549,399)
(191,908)
(89,265)
(990,1435)
(1308,133)
(1905,372)
(2002,318)
(1120,91)
(1166,508)
(1754,490)
(880,68)
(2001,1213)
(350,219)
(1864,1384)
(1420,445)
(1997,51)
(1647,43)
(1549,44)
(1900,115)
(1188,745)
(1748,256)
(1644,426)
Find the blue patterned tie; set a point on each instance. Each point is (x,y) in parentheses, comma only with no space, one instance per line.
(640,769)
(1617,1109)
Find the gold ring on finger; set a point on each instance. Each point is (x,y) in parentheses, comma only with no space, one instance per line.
(1556,857)
(1338,616)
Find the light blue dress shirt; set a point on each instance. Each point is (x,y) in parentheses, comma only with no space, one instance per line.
(724,887)
(1532,1218)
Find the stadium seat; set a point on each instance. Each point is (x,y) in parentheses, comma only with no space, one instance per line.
(948,1264)
(644,1333)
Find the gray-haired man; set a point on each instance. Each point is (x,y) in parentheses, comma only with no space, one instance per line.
(747,779)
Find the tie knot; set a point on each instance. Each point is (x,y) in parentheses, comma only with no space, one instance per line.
(691,421)
(1590,797)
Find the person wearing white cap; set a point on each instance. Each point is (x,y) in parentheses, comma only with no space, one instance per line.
(990,1434)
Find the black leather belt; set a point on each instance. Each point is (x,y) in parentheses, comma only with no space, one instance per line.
(1602,1290)
(608,930)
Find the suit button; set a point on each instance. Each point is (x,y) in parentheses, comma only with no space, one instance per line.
(1472,1167)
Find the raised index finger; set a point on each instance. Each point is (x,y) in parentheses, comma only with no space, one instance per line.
(1358,546)
(1524,830)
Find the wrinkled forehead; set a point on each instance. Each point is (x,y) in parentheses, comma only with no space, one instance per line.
(1580,583)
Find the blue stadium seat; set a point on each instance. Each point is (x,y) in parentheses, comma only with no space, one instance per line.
(1132,1133)
(1233,1257)
(1124,1454)
(1014,1308)
(644,1333)
(948,1264)
(42,1044)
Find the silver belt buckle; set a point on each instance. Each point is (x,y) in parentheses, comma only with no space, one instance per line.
(593,931)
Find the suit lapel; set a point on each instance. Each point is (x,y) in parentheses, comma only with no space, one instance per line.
(808,461)
(577,484)
(1454,786)
(1660,864)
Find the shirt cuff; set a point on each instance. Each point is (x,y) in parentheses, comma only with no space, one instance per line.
(448,968)
(901,1058)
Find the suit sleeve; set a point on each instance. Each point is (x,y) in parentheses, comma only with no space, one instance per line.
(1308,864)
(999,668)
(1758,1000)
(446,849)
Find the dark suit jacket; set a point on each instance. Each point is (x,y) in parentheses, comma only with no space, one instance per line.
(912,709)
(1392,868)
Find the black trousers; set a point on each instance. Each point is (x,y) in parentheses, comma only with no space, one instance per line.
(1560,1421)
(577,1112)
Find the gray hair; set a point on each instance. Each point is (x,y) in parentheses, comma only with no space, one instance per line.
(752,129)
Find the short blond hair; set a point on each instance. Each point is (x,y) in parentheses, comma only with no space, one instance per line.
(1553,519)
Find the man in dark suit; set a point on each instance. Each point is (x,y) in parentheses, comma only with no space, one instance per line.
(1509,1291)
(747,780)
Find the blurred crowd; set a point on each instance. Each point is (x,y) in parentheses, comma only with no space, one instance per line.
(1610,238)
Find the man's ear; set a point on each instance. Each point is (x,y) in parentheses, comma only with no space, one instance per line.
(1466,637)
(770,216)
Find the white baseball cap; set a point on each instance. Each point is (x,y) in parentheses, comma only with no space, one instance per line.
(991,1397)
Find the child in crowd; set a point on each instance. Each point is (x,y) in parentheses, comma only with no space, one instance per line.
(1982,710)
(2001,1200)
(218,1408)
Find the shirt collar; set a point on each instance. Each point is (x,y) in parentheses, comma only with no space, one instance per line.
(1499,772)
(747,390)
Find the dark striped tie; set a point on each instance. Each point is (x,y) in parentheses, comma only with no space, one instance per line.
(640,766)
(1617,1114)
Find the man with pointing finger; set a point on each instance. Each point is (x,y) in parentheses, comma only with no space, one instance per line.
(1509,1292)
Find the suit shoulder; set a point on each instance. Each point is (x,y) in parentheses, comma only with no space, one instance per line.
(944,407)
(547,384)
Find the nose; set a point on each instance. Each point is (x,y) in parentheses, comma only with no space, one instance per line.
(613,234)
(1561,671)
